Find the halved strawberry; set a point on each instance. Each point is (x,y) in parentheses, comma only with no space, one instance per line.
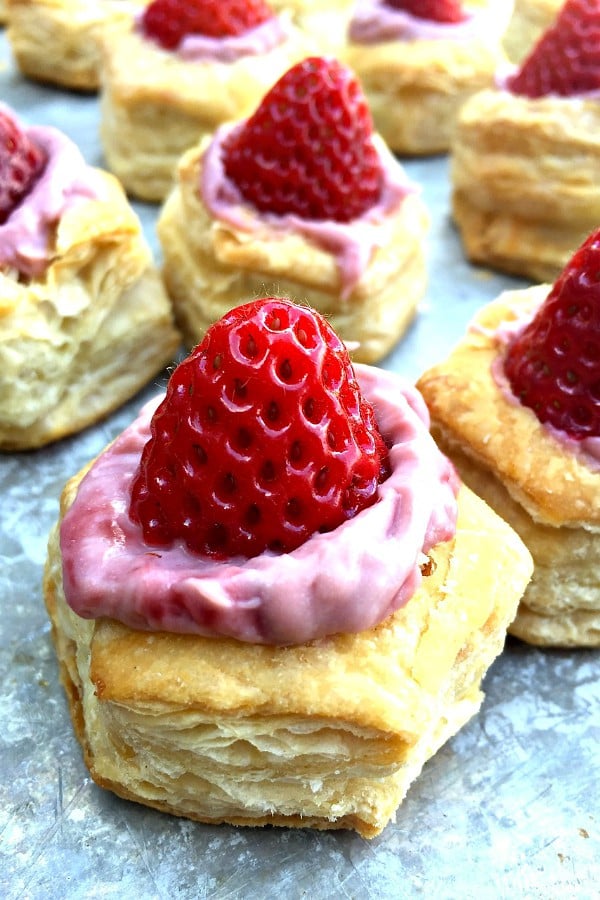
(21,164)
(449,11)
(553,366)
(169,21)
(262,439)
(308,148)
(566,58)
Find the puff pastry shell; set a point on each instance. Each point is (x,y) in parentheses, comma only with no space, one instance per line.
(210,266)
(548,493)
(526,180)
(81,339)
(58,41)
(416,88)
(154,104)
(326,735)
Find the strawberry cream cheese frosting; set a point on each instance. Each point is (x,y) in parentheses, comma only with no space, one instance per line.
(201,48)
(65,180)
(375,21)
(352,243)
(346,580)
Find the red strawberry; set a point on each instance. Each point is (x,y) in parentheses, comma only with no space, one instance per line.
(21,163)
(169,21)
(437,10)
(566,58)
(262,439)
(554,365)
(308,148)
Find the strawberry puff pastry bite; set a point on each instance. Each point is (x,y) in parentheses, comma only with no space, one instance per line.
(272,600)
(419,60)
(177,71)
(517,407)
(84,319)
(525,165)
(300,198)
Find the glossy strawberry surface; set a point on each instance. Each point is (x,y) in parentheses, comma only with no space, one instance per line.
(566,58)
(554,365)
(169,21)
(308,148)
(448,11)
(262,439)
(21,163)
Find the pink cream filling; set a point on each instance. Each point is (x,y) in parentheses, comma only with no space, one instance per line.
(587,449)
(347,580)
(375,22)
(352,243)
(66,180)
(257,41)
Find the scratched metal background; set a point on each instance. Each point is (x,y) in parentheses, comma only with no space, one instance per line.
(509,807)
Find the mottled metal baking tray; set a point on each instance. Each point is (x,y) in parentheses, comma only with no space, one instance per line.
(509,807)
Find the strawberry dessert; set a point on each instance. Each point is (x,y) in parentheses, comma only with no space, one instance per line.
(517,406)
(419,61)
(301,195)
(68,330)
(522,205)
(271,598)
(21,163)
(176,71)
(564,61)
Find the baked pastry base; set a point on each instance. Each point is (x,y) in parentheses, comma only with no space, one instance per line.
(154,105)
(542,489)
(529,19)
(210,266)
(525,180)
(58,41)
(83,338)
(326,735)
(416,88)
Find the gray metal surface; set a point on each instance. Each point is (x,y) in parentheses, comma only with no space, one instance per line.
(509,807)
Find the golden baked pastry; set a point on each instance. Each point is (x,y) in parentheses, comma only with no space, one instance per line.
(548,493)
(328,734)
(155,103)
(84,318)
(210,264)
(529,20)
(58,41)
(3,12)
(324,22)
(525,180)
(415,87)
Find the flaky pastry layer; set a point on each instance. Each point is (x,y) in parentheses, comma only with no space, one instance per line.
(80,340)
(328,734)
(525,179)
(548,494)
(58,41)
(154,105)
(211,266)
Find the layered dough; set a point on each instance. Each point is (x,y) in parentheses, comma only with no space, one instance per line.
(415,88)
(211,266)
(544,488)
(58,41)
(328,734)
(84,337)
(526,180)
(155,105)
(529,20)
